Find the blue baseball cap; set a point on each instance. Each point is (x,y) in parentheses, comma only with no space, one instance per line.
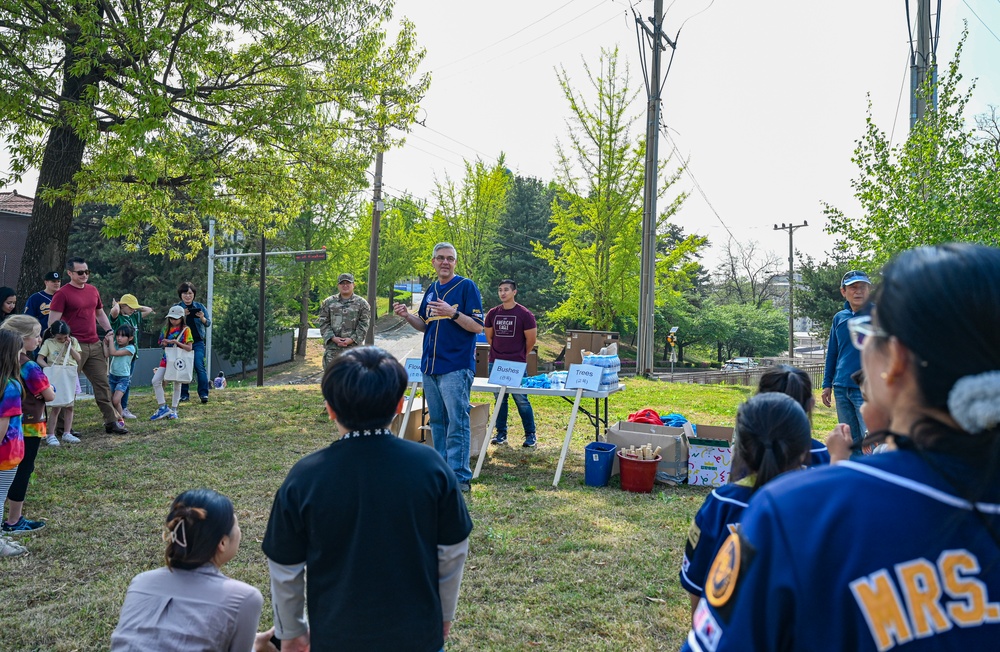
(855,276)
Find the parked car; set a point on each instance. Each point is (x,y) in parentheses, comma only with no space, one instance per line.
(740,364)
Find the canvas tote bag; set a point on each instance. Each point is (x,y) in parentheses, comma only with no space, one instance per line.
(63,378)
(180,365)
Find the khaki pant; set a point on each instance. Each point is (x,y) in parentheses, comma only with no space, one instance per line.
(94,366)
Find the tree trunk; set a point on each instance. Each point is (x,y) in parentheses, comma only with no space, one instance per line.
(300,345)
(48,229)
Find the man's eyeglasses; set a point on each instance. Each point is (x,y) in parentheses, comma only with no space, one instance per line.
(442,259)
(861,328)
(82,272)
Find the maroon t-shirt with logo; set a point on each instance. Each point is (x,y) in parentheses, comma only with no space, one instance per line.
(508,332)
(79,308)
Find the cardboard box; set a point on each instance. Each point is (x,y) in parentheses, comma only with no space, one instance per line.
(710,456)
(483,361)
(418,418)
(418,429)
(579,341)
(673,466)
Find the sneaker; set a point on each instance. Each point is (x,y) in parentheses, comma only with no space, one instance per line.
(121,423)
(185,399)
(70,438)
(204,399)
(51,440)
(499,440)
(22,526)
(162,412)
(128,415)
(529,440)
(465,487)
(9,548)
(173,414)
(116,428)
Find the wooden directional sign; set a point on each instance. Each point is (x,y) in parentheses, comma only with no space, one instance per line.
(310,256)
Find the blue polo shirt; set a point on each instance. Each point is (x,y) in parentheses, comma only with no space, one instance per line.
(447,346)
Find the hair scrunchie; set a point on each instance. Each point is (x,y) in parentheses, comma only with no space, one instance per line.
(974,402)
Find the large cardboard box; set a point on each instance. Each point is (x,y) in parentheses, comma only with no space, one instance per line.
(673,466)
(483,361)
(579,341)
(418,429)
(710,456)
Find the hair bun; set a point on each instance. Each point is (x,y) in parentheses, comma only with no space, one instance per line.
(974,402)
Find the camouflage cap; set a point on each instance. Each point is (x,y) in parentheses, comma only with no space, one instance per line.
(345,277)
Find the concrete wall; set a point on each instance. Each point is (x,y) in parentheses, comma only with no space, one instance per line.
(281,349)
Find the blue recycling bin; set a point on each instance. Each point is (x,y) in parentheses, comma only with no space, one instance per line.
(599,458)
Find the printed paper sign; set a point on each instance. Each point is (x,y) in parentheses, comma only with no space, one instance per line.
(586,376)
(507,373)
(413,373)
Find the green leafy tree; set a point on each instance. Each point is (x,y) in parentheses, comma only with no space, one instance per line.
(301,286)
(175,110)
(753,331)
(597,215)
(469,214)
(820,298)
(153,279)
(402,243)
(235,333)
(940,185)
(524,223)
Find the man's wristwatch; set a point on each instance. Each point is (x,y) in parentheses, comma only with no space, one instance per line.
(456,315)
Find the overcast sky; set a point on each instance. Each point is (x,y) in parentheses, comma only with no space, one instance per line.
(765,98)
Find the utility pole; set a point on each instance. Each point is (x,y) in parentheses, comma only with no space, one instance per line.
(647,273)
(373,243)
(923,58)
(791,282)
(260,311)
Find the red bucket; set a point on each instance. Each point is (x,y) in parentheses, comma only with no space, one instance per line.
(637,476)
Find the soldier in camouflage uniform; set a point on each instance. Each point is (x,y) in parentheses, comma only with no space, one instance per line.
(343,320)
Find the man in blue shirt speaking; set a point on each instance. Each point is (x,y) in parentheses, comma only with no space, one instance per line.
(450,317)
(842,359)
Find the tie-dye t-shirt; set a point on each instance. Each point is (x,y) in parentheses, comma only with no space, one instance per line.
(12,446)
(181,334)
(35,382)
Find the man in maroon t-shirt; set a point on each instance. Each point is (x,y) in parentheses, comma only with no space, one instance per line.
(79,305)
(511,331)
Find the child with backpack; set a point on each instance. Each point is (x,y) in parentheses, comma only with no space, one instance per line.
(174,334)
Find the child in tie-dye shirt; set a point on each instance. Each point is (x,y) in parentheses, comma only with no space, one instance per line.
(35,391)
(12,444)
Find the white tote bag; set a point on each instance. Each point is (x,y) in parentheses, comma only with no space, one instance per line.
(180,365)
(63,378)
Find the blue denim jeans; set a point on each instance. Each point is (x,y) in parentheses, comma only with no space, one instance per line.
(523,410)
(447,397)
(848,401)
(199,369)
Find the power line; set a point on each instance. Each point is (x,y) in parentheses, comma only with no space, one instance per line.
(508,37)
(981,20)
(687,169)
(523,45)
(535,56)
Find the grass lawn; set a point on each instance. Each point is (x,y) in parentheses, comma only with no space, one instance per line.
(573,568)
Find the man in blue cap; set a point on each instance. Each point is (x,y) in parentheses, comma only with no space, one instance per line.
(842,359)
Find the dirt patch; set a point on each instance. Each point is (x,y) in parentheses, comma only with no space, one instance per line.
(391,333)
